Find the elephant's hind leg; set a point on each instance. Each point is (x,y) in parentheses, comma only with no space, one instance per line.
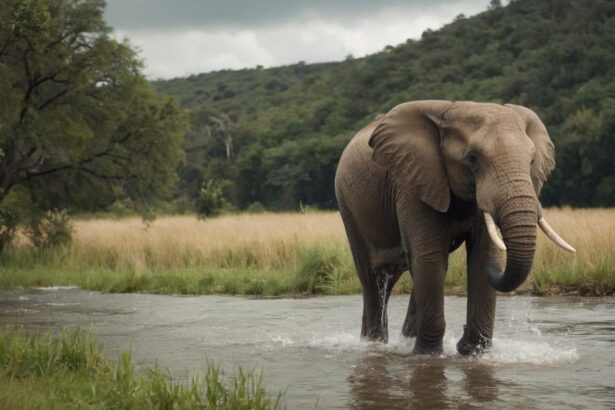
(377,281)
(376,292)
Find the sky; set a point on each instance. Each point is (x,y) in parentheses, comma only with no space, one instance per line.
(184,37)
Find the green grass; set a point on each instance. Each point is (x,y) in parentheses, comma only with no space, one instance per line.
(277,255)
(70,371)
(321,270)
(180,282)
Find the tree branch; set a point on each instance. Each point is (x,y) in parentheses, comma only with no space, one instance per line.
(50,100)
(107,177)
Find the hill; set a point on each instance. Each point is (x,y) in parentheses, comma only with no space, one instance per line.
(274,135)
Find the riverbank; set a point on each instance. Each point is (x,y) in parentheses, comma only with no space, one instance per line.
(38,370)
(287,254)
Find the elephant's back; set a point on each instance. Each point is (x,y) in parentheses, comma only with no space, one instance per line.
(356,165)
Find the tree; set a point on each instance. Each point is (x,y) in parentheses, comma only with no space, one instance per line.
(79,124)
(494,4)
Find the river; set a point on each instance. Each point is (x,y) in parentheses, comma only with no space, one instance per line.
(547,352)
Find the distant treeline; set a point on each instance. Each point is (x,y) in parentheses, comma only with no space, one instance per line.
(273,136)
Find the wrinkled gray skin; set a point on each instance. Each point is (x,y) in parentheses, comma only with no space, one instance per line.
(412,186)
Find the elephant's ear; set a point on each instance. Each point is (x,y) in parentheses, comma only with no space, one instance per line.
(407,143)
(544,161)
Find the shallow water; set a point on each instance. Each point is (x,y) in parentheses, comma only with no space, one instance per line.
(547,352)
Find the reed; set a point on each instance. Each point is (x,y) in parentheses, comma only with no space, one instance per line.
(274,254)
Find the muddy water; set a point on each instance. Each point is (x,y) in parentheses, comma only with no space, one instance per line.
(548,353)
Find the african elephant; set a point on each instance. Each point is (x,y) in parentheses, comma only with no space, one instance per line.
(424,178)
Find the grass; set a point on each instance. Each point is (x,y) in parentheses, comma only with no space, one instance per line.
(276,254)
(70,371)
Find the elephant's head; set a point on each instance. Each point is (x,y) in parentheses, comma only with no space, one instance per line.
(497,156)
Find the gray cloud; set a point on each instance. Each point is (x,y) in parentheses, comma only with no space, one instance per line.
(237,14)
(191,36)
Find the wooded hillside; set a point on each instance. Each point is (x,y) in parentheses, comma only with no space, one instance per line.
(274,135)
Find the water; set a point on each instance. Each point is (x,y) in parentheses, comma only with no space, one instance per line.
(547,353)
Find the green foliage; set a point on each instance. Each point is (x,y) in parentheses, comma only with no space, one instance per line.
(324,270)
(44,229)
(15,209)
(70,371)
(79,125)
(289,124)
(53,229)
(255,208)
(211,198)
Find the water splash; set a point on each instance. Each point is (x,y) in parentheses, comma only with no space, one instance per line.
(504,350)
(282,340)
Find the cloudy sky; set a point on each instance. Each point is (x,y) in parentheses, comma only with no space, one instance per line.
(183,37)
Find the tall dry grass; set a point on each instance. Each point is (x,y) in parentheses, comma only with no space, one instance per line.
(260,241)
(308,251)
(592,233)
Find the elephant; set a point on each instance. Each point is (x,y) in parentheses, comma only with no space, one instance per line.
(426,177)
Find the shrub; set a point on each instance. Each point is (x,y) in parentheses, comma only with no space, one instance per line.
(211,198)
(15,208)
(53,229)
(255,208)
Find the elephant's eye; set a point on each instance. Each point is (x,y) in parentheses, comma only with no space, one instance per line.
(471,158)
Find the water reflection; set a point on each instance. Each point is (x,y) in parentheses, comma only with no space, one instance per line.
(480,382)
(394,382)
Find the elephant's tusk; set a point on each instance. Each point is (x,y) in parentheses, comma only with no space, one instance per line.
(493,232)
(546,228)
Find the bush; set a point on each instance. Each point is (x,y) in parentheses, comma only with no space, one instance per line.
(255,208)
(211,198)
(44,229)
(53,229)
(15,209)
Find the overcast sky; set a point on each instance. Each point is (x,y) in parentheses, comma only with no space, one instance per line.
(183,37)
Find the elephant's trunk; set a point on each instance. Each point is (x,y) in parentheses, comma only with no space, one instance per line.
(517,220)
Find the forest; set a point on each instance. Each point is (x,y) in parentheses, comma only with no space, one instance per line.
(272,137)
(83,130)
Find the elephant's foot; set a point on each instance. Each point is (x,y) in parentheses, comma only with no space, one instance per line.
(429,341)
(375,334)
(473,343)
(431,350)
(409,329)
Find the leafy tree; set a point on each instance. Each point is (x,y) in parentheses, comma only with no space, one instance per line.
(79,124)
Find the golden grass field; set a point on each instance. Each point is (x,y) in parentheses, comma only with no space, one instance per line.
(264,246)
(265,241)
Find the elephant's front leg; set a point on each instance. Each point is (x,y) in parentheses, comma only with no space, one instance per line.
(478,331)
(429,270)
(409,327)
(427,247)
